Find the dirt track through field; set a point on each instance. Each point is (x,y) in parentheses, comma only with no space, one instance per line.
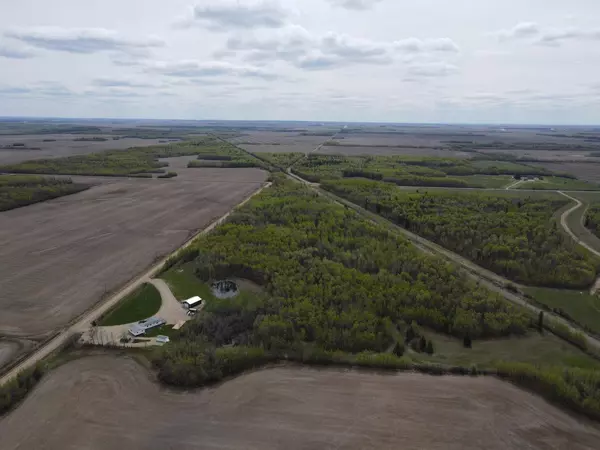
(110,403)
(59,257)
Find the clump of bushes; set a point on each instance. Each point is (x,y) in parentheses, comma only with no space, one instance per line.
(168,175)
(16,390)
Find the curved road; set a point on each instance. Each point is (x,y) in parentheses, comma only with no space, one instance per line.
(563,222)
(85,321)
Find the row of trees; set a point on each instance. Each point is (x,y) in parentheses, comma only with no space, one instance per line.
(592,219)
(18,190)
(514,237)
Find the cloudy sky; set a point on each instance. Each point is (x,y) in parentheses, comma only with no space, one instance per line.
(509,61)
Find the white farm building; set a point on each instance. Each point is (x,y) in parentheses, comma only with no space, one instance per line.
(142,326)
(191,302)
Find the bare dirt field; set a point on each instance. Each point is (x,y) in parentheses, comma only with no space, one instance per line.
(59,257)
(391,151)
(105,402)
(286,142)
(63,145)
(10,349)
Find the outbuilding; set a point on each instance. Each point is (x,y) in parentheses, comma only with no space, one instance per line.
(142,326)
(191,302)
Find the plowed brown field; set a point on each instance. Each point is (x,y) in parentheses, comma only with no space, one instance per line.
(110,403)
(59,257)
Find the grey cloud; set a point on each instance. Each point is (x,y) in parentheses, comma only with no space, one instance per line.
(358,5)
(223,15)
(431,69)
(535,34)
(196,69)
(15,52)
(522,30)
(82,40)
(121,82)
(297,46)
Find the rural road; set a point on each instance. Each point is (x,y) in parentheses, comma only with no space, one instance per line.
(563,222)
(170,309)
(84,322)
(513,185)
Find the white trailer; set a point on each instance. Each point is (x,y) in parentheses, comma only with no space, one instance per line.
(191,302)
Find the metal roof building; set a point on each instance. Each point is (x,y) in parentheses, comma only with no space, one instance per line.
(142,326)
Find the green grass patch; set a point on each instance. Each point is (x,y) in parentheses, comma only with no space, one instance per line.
(141,304)
(580,306)
(184,284)
(164,330)
(536,349)
(487,181)
(559,183)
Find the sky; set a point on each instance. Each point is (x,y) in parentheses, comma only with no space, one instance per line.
(460,61)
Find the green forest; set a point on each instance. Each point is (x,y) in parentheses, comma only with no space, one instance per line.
(23,190)
(513,236)
(140,161)
(414,171)
(334,280)
(592,219)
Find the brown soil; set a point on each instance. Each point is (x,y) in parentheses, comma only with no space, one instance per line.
(59,257)
(63,145)
(110,403)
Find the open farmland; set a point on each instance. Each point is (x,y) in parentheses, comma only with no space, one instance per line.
(358,150)
(587,171)
(59,145)
(61,256)
(107,402)
(279,141)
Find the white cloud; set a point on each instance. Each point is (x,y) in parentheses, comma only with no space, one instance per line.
(122,82)
(208,69)
(295,45)
(226,15)
(82,40)
(358,5)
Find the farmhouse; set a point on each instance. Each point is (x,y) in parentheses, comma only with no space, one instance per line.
(191,302)
(144,325)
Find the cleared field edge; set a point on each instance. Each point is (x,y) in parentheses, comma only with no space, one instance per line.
(79,324)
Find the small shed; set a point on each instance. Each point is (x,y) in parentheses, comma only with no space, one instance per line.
(162,339)
(191,302)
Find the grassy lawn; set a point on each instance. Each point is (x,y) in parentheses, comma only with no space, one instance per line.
(144,302)
(534,349)
(558,183)
(488,181)
(184,284)
(582,307)
(165,330)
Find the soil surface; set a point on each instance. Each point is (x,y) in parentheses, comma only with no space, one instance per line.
(60,257)
(63,145)
(8,350)
(105,402)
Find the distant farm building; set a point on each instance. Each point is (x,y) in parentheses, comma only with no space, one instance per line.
(191,302)
(142,326)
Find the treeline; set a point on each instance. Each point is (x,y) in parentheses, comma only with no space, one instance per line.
(224,164)
(134,161)
(18,190)
(514,237)
(592,219)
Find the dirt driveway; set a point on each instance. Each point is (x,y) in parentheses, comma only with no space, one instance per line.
(108,403)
